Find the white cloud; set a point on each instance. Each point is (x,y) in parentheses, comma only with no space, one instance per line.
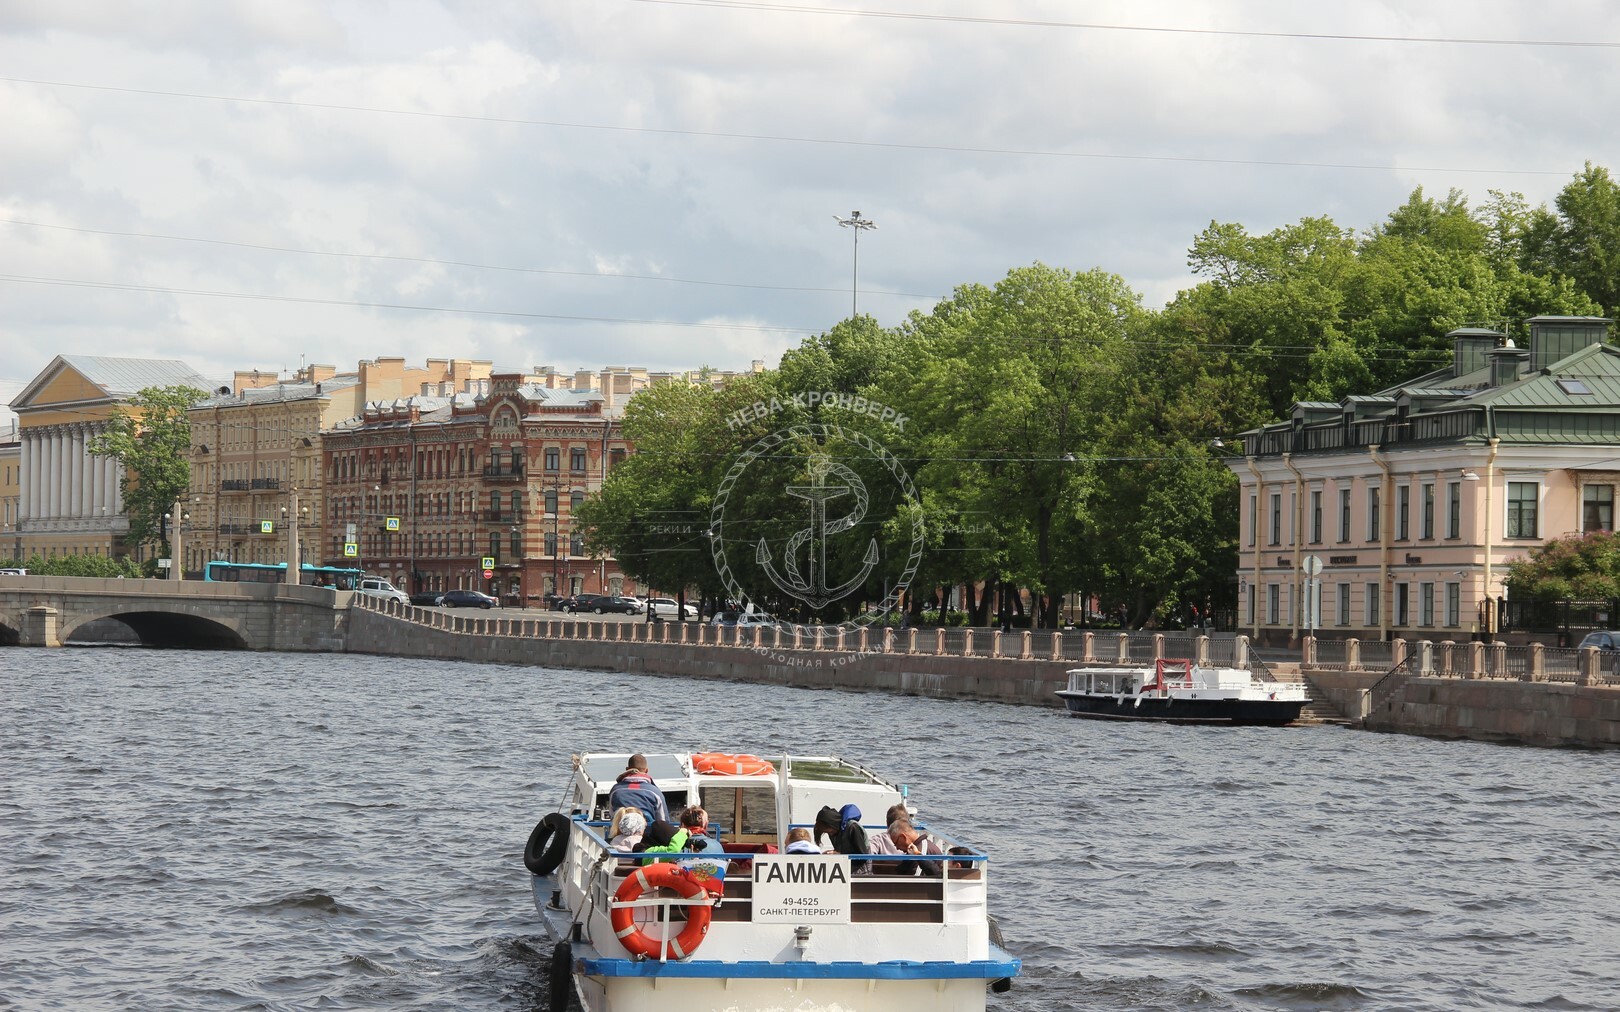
(751,217)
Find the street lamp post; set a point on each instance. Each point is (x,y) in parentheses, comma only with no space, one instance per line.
(858,224)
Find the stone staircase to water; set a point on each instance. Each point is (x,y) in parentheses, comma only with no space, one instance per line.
(1320,710)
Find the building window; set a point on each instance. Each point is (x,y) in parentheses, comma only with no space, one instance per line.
(1344,515)
(1426,603)
(494,503)
(1454,509)
(551,544)
(1453,605)
(1316,516)
(576,459)
(577,543)
(1254,520)
(1428,512)
(1597,508)
(1374,533)
(1521,509)
(551,500)
(517,460)
(553,455)
(1343,592)
(495,546)
(1276,519)
(1374,596)
(575,500)
(1403,513)
(1273,604)
(517,543)
(1254,593)
(1403,604)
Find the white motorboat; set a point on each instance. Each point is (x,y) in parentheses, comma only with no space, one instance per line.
(1180,692)
(637,932)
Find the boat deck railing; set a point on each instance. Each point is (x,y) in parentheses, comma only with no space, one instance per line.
(950,889)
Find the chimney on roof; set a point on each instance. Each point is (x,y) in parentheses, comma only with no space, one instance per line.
(1470,345)
(1506,363)
(1553,338)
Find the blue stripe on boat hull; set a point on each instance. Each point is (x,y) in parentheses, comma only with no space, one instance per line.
(983,969)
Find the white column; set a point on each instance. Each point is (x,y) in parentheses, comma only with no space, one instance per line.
(92,484)
(59,508)
(25,477)
(117,469)
(53,474)
(76,491)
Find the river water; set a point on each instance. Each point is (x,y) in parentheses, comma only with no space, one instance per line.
(270,831)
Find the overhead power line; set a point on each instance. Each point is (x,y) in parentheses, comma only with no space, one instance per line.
(788,139)
(1450,40)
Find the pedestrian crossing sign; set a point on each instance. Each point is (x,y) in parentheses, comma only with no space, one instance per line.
(350,550)
(267,526)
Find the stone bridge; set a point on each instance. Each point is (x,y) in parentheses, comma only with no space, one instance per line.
(49,611)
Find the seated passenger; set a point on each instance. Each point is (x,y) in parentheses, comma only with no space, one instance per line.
(826,829)
(661,838)
(626,829)
(902,838)
(696,823)
(799,842)
(635,789)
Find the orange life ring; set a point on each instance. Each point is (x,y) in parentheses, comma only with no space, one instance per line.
(660,876)
(724,764)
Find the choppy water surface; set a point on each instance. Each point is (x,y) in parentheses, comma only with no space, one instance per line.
(219,831)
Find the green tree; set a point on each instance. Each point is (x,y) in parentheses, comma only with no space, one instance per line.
(1581,567)
(151,439)
(1588,242)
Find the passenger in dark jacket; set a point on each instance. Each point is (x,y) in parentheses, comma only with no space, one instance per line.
(634,788)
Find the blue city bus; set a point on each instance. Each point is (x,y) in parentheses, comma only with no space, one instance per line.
(257,572)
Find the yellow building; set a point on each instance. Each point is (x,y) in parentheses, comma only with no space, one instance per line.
(10,489)
(256,451)
(70,502)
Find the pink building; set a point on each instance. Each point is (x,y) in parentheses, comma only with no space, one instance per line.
(1395,513)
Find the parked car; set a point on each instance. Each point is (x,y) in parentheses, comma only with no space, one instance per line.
(742,618)
(665,606)
(600,603)
(1605,641)
(426,599)
(467,599)
(554,601)
(376,586)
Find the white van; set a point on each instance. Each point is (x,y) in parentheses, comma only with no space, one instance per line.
(376,586)
(13,572)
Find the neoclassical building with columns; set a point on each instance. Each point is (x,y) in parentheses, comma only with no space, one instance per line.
(70,501)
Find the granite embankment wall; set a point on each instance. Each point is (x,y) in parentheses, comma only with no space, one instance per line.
(1002,680)
(1483,709)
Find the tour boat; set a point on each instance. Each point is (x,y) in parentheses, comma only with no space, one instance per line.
(756,927)
(1180,692)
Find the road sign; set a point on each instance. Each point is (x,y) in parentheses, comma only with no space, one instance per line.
(165,563)
(489,563)
(267,526)
(350,550)
(391,523)
(1312,565)
(488,573)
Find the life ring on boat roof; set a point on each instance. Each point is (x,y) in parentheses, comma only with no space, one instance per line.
(548,842)
(725,764)
(660,876)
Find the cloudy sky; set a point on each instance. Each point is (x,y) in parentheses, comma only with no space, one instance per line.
(614,182)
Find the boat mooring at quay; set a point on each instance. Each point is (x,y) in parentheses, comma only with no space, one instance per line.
(234,830)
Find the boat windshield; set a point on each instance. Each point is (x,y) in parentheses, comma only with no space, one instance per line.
(602,769)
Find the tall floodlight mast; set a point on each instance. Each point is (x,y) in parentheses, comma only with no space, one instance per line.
(858,224)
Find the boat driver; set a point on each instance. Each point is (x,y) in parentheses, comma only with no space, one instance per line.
(634,788)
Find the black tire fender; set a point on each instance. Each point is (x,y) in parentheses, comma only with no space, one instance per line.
(560,980)
(548,842)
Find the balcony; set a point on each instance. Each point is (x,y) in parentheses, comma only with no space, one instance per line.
(238,528)
(266,484)
(503,475)
(501,517)
(233,485)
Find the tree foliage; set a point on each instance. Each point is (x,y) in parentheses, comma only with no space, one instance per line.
(1581,567)
(151,438)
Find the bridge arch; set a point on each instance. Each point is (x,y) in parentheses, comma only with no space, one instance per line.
(156,628)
